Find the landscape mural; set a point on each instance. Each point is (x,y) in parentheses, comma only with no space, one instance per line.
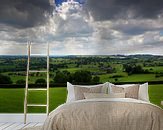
(91,42)
(118,69)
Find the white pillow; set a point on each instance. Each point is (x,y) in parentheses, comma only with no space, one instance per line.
(143,92)
(71,93)
(109,88)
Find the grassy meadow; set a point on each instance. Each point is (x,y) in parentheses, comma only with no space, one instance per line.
(107,68)
(12,100)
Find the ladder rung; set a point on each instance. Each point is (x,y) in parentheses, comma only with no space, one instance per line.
(36,105)
(34,71)
(37,89)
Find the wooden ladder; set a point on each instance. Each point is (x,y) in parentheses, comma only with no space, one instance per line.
(26,105)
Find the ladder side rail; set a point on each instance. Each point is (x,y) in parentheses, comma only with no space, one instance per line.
(47,109)
(26,88)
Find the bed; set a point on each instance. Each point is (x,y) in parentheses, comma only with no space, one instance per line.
(106,107)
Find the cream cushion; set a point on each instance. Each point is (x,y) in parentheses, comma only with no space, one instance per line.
(130,91)
(79,91)
(71,90)
(102,95)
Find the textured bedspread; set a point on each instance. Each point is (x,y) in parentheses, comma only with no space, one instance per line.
(106,114)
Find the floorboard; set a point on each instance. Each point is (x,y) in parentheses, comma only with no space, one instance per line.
(30,125)
(18,126)
(14,121)
(5,126)
(39,124)
(22,125)
(13,126)
(1,124)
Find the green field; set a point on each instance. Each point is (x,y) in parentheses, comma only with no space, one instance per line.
(107,68)
(131,78)
(155,69)
(11,100)
(156,94)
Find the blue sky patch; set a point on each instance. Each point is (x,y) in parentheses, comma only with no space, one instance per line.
(59,2)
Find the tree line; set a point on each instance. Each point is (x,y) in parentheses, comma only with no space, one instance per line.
(60,77)
(81,76)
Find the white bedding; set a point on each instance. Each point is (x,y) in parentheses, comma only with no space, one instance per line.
(106,114)
(127,100)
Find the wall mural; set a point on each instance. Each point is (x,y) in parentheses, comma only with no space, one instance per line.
(91,42)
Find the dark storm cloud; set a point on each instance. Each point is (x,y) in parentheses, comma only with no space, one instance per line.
(24,13)
(116,9)
(136,27)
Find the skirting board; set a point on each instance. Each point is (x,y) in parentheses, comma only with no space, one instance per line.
(7,117)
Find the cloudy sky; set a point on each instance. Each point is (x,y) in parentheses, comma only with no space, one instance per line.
(83,27)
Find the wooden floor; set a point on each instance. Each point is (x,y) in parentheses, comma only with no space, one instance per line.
(15,121)
(18,126)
